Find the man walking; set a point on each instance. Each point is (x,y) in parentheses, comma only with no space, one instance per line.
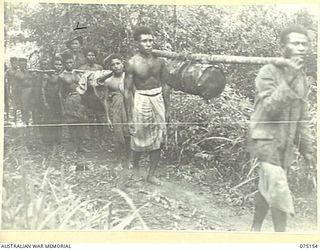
(279,122)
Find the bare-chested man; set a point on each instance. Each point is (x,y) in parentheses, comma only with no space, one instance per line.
(52,102)
(74,111)
(148,114)
(25,80)
(114,87)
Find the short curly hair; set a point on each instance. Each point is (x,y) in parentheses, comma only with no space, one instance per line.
(108,59)
(66,56)
(87,50)
(141,30)
(292,29)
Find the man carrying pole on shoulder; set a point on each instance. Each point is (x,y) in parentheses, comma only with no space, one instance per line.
(148,114)
(279,122)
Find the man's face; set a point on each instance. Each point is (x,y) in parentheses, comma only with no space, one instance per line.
(75,45)
(23,64)
(69,64)
(116,66)
(14,64)
(44,64)
(91,57)
(145,43)
(58,65)
(297,45)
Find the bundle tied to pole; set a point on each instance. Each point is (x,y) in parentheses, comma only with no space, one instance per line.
(198,74)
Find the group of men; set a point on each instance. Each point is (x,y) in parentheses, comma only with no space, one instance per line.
(76,90)
(139,99)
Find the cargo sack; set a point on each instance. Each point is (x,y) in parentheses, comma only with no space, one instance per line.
(205,80)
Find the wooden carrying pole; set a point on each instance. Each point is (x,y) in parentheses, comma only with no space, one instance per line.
(212,59)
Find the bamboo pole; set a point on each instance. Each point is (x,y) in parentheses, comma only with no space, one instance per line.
(211,59)
(48,71)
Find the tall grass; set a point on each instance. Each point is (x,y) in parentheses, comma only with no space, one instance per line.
(39,197)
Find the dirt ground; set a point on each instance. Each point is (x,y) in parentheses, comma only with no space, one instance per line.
(180,203)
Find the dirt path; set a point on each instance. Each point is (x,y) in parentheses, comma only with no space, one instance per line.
(178,204)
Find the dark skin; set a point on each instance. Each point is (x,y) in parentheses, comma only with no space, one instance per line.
(70,80)
(75,46)
(78,56)
(25,78)
(91,62)
(144,72)
(51,90)
(112,85)
(69,83)
(294,49)
(39,79)
(52,79)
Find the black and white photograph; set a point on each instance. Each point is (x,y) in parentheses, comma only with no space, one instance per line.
(126,117)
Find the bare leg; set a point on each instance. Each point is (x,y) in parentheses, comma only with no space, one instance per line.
(119,154)
(101,128)
(59,134)
(73,137)
(279,219)
(91,119)
(260,211)
(80,134)
(154,160)
(25,117)
(7,108)
(136,158)
(127,150)
(15,116)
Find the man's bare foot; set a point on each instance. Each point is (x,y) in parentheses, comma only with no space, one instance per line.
(82,149)
(137,171)
(126,164)
(118,167)
(154,180)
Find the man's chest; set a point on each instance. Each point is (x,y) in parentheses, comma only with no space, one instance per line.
(114,84)
(70,78)
(148,68)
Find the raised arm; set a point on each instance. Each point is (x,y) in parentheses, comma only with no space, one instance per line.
(273,93)
(128,90)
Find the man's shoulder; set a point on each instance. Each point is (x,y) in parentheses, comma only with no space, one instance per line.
(61,75)
(134,58)
(98,67)
(159,59)
(108,81)
(10,72)
(131,62)
(83,67)
(269,69)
